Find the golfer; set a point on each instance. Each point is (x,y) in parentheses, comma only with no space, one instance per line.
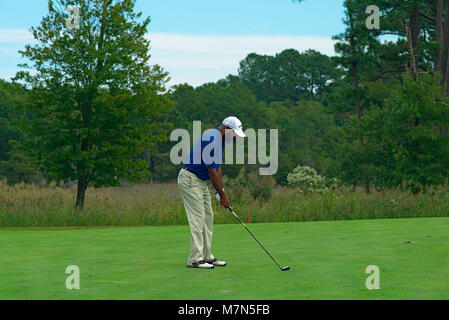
(203,164)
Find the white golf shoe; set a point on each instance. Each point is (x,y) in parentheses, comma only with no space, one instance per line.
(217,263)
(201,265)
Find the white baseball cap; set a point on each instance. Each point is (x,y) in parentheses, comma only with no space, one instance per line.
(235,124)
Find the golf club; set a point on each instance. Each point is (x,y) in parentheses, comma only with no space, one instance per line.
(243,224)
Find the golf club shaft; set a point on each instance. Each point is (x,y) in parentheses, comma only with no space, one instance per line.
(243,224)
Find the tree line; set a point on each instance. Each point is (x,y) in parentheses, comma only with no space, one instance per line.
(96,112)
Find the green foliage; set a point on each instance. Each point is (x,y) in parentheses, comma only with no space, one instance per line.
(212,102)
(261,187)
(250,185)
(307,180)
(19,167)
(98,113)
(307,134)
(94,96)
(288,75)
(333,183)
(15,163)
(361,50)
(11,95)
(403,141)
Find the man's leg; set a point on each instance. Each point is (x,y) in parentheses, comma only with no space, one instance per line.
(208,232)
(191,190)
(208,226)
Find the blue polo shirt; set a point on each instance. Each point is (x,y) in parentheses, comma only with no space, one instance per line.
(206,153)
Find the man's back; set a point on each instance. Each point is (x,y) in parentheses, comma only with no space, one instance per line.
(207,153)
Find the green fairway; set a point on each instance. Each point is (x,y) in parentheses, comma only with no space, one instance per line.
(328,261)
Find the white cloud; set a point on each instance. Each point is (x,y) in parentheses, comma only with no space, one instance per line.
(194,59)
(203,58)
(7,74)
(15,36)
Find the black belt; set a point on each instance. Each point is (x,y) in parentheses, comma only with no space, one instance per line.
(194,173)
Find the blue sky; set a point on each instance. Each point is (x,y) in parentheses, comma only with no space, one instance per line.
(199,41)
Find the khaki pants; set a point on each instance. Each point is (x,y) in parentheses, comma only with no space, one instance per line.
(197,204)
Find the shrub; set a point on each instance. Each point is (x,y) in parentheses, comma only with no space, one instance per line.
(250,185)
(261,187)
(307,180)
(333,183)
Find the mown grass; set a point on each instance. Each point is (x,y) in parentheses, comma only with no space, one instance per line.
(160,204)
(328,261)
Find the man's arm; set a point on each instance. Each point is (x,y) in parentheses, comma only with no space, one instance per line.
(215,178)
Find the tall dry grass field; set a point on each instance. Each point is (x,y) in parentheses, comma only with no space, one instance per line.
(160,204)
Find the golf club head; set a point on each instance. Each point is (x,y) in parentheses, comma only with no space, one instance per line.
(286,268)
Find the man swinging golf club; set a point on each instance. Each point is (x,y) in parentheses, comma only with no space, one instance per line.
(203,164)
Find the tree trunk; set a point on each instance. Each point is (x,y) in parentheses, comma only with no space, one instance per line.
(411,51)
(355,77)
(367,187)
(83,181)
(439,35)
(152,164)
(414,30)
(81,192)
(100,60)
(412,33)
(355,83)
(445,49)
